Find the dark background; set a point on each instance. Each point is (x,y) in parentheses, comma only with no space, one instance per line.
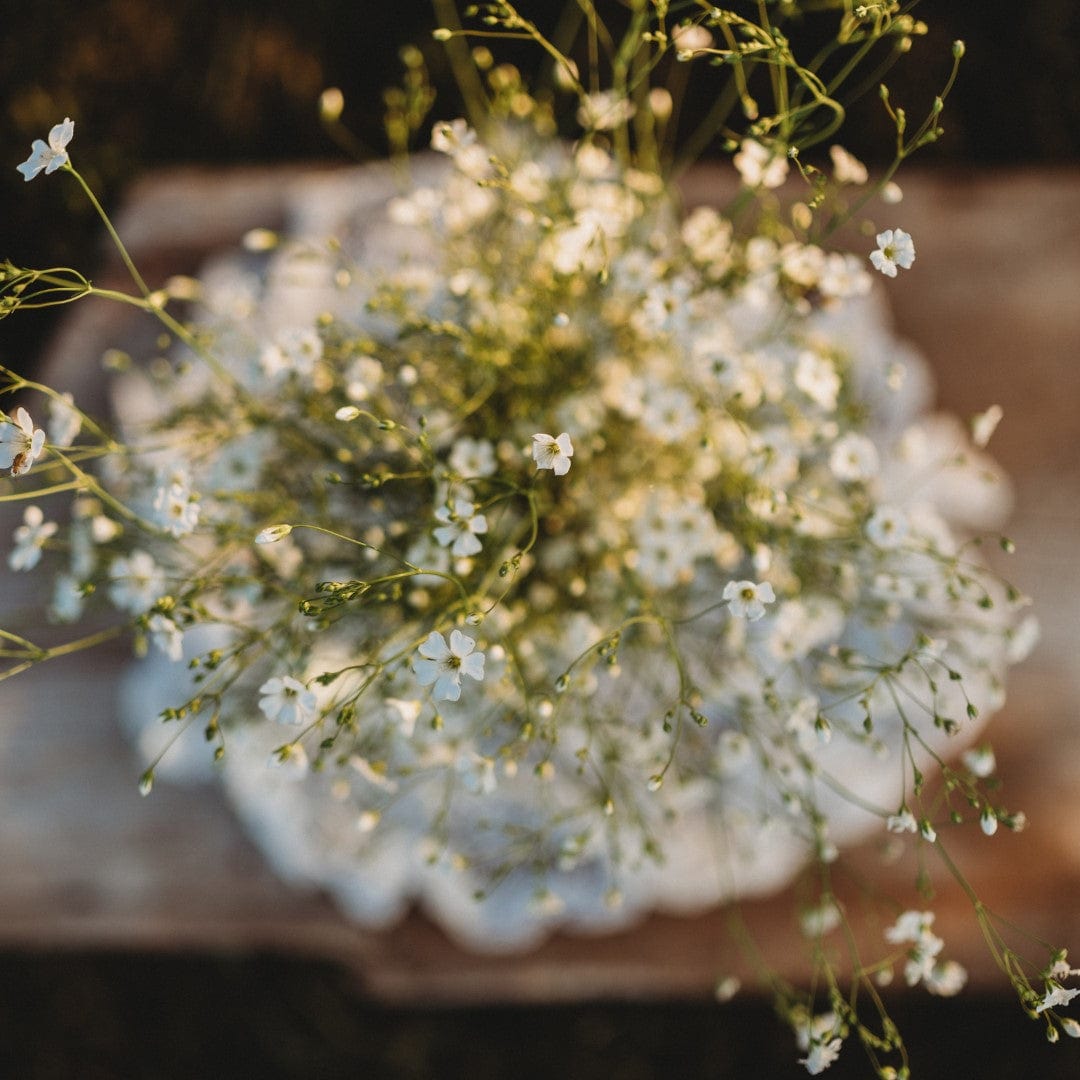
(152,84)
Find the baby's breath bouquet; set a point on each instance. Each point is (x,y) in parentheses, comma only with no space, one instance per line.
(569,554)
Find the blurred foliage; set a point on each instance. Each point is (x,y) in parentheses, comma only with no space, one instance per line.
(151,84)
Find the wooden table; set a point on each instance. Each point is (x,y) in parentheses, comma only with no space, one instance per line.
(993,301)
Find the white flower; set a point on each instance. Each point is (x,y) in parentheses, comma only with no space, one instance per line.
(472,457)
(604,111)
(167,636)
(985,424)
(49,157)
(295,352)
(448,137)
(137,582)
(847,168)
(67,601)
(554,453)
(895,248)
(910,926)
(444,664)
(988,822)
(177,510)
(821,1056)
(902,822)
(817,378)
(946,979)
(64,420)
(287,700)
(20,442)
(759,166)
(1056,996)
(854,457)
(980,760)
(820,1040)
(887,527)
(272,534)
(747,600)
(460,528)
(29,538)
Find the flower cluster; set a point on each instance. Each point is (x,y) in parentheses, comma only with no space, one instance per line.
(715,628)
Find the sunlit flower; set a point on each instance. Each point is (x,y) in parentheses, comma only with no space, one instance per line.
(847,169)
(448,137)
(817,378)
(20,442)
(460,527)
(747,600)
(50,156)
(887,527)
(604,111)
(444,664)
(760,166)
(895,248)
(902,822)
(985,424)
(551,452)
(30,538)
(854,457)
(287,700)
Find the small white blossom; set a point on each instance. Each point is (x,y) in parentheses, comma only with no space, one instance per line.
(177,510)
(847,169)
(759,166)
(166,635)
(820,1040)
(816,376)
(553,452)
(887,527)
(946,979)
(895,248)
(472,457)
(450,136)
(20,442)
(980,760)
(604,111)
(287,700)
(988,822)
(30,538)
(291,760)
(137,582)
(444,664)
(747,600)
(272,533)
(67,599)
(854,458)
(985,424)
(50,156)
(460,527)
(902,822)
(64,420)
(1056,996)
